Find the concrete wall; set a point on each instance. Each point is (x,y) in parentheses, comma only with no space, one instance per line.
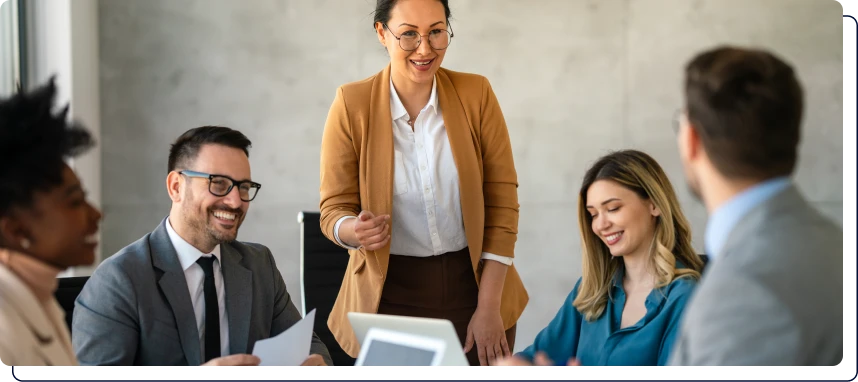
(62,42)
(575,78)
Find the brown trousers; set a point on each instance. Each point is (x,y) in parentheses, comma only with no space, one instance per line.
(435,287)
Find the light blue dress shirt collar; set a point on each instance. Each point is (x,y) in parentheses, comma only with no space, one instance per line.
(725,218)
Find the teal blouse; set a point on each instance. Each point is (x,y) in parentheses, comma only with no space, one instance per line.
(602,342)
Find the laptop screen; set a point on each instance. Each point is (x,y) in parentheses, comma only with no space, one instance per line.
(382,353)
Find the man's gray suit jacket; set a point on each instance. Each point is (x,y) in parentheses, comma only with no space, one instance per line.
(136,308)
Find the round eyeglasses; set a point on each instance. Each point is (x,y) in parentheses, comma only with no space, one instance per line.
(222,185)
(439,39)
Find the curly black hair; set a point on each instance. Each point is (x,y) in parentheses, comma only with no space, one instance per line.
(34,142)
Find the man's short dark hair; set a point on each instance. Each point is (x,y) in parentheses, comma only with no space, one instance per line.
(34,143)
(746,105)
(188,145)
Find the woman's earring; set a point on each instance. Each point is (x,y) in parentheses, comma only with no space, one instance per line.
(25,243)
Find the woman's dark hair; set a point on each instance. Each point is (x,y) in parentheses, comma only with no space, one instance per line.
(383,8)
(34,143)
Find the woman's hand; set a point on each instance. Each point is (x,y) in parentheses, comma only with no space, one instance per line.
(485,331)
(234,360)
(367,230)
(541,359)
(314,360)
(513,361)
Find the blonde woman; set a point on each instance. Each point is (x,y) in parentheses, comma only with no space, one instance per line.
(639,270)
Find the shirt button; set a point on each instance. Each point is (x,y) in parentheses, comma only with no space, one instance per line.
(434,234)
(423,167)
(419,145)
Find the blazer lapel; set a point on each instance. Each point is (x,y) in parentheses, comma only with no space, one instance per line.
(464,146)
(53,347)
(377,159)
(53,352)
(175,288)
(238,282)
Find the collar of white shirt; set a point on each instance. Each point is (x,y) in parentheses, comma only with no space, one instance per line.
(397,109)
(188,254)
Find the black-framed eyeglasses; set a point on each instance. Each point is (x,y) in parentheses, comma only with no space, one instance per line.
(439,39)
(222,185)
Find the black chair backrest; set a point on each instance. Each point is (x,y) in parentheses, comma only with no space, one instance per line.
(323,265)
(705,259)
(67,291)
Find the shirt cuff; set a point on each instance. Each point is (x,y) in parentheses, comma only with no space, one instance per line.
(337,233)
(501,259)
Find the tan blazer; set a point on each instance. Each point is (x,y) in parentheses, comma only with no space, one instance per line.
(357,174)
(31,334)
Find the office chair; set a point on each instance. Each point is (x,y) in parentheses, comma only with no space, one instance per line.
(66,293)
(323,265)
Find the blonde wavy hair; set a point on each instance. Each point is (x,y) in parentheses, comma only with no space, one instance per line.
(640,173)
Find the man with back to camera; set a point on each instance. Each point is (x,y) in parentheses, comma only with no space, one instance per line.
(189,293)
(773,291)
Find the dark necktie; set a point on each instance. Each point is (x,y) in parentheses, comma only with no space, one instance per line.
(212,328)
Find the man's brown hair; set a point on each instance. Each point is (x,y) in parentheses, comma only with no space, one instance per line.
(746,105)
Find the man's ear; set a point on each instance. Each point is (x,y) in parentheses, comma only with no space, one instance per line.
(694,144)
(175,185)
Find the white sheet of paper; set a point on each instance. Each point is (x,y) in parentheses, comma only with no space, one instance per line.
(289,348)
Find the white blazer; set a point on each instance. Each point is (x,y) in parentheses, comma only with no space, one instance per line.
(30,334)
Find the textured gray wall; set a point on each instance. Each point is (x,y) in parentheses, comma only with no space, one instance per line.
(575,79)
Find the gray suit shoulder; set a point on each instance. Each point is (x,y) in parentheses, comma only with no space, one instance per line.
(790,259)
(134,256)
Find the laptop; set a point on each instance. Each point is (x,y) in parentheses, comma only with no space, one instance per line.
(426,327)
(391,348)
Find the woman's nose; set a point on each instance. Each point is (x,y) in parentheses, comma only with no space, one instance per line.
(602,223)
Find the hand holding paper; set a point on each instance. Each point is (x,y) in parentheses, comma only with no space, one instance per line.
(290,348)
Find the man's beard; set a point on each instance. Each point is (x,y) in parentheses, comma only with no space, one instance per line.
(203,226)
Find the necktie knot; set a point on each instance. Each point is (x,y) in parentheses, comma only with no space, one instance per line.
(207,263)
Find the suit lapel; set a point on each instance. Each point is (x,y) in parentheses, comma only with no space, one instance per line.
(379,160)
(462,144)
(238,282)
(175,288)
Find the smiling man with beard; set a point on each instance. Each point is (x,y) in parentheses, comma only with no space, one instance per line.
(188,293)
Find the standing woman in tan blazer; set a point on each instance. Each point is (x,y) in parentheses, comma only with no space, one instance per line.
(418,182)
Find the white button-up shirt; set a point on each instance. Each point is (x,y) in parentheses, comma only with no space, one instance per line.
(426,199)
(195,278)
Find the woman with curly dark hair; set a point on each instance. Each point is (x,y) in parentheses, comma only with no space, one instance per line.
(46,225)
